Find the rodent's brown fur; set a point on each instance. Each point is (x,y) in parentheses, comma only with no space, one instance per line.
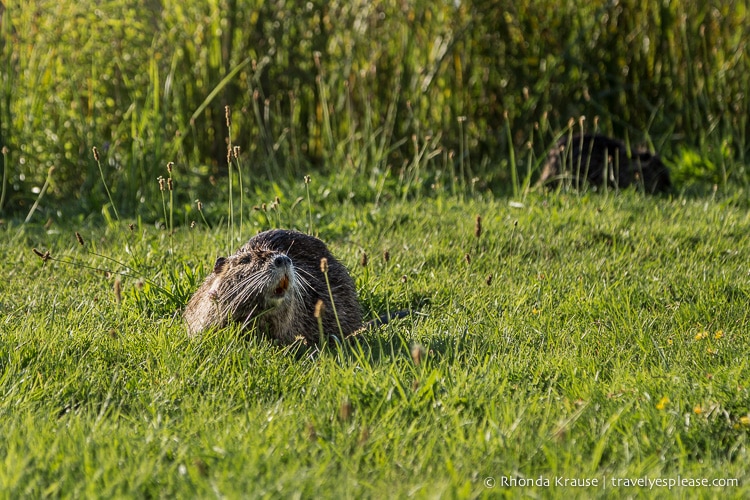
(272,284)
(598,158)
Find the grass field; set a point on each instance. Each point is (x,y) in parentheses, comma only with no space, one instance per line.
(591,337)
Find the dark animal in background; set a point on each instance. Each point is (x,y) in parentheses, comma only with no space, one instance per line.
(597,159)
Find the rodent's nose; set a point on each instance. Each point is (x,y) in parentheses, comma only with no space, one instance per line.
(282,261)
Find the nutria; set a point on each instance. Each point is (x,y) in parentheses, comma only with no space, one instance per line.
(273,285)
(597,158)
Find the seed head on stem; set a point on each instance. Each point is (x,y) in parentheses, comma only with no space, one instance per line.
(45,256)
(320,308)
(118,290)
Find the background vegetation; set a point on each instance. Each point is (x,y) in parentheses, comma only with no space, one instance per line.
(479,88)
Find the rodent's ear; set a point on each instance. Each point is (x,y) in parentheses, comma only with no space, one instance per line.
(219,264)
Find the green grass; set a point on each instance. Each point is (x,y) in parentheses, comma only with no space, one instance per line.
(584,357)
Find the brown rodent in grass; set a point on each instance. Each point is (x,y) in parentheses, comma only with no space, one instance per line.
(273,284)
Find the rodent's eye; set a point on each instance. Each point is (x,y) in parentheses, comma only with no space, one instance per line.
(246,259)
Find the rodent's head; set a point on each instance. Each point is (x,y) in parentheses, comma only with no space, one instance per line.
(272,285)
(252,282)
(655,173)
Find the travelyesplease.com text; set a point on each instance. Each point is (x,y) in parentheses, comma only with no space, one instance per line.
(605,482)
